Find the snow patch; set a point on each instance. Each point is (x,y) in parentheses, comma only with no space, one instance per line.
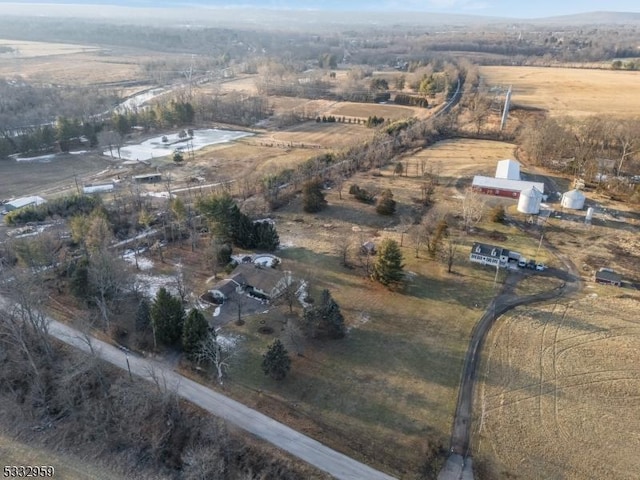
(216,312)
(144,263)
(150,284)
(155,147)
(41,158)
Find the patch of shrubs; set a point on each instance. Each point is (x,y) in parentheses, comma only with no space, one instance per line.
(361,194)
(411,100)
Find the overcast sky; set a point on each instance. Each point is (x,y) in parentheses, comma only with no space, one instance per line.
(500,8)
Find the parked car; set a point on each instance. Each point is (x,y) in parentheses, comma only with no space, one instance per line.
(541,267)
(522,262)
(531,264)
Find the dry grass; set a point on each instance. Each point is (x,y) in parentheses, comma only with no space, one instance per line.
(365,110)
(563,380)
(15,452)
(26,49)
(567,91)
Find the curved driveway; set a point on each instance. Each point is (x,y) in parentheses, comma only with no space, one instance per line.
(459,464)
(336,464)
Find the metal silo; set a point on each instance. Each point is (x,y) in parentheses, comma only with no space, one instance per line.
(529,202)
(573,199)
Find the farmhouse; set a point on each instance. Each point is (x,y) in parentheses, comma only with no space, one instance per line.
(33,201)
(503,187)
(606,276)
(489,255)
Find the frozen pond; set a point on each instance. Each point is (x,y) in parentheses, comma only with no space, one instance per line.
(155,147)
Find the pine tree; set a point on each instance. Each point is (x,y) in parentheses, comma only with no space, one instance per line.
(386,204)
(312,197)
(167,318)
(143,315)
(387,268)
(325,318)
(276,362)
(266,236)
(194,332)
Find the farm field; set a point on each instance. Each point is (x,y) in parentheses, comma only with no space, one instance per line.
(570,91)
(563,380)
(365,110)
(47,178)
(73,64)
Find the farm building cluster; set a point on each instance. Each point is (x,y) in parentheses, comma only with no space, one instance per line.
(508,183)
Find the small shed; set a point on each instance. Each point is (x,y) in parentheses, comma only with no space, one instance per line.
(607,276)
(530,200)
(17,203)
(573,199)
(147,178)
(509,169)
(368,248)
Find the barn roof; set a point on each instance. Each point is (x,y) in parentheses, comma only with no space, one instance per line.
(24,201)
(505,184)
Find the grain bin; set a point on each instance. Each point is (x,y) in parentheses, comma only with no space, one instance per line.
(529,202)
(573,199)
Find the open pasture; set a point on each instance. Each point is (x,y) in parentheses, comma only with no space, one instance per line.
(365,110)
(79,65)
(570,91)
(560,382)
(26,49)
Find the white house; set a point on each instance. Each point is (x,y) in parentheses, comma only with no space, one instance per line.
(489,255)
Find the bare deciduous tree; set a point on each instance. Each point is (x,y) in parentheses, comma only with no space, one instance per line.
(472,209)
(214,353)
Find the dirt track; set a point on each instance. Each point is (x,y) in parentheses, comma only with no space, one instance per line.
(459,464)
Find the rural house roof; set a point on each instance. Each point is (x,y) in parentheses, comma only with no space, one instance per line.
(24,201)
(608,276)
(488,250)
(505,184)
(258,277)
(226,287)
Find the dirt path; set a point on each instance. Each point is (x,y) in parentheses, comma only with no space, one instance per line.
(459,463)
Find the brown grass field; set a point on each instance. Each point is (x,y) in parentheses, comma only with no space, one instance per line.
(570,91)
(559,396)
(73,64)
(68,467)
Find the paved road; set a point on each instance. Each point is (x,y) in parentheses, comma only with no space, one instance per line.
(459,464)
(303,447)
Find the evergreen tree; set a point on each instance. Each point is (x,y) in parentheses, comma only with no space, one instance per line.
(167,317)
(80,286)
(388,267)
(276,362)
(266,237)
(143,315)
(386,204)
(194,332)
(325,318)
(312,197)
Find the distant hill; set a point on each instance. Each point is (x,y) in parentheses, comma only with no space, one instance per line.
(287,15)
